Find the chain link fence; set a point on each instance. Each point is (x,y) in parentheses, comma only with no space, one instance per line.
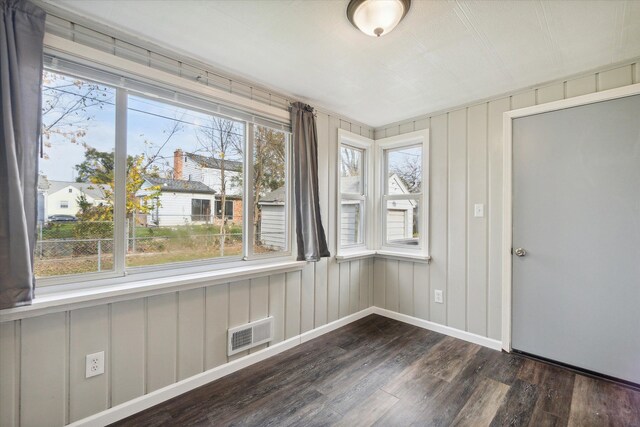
(85,247)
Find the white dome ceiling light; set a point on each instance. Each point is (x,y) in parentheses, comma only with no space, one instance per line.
(377,17)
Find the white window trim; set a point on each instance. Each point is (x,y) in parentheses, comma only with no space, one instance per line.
(120,274)
(420,252)
(349,139)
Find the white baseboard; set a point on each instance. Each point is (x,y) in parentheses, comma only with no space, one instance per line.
(436,327)
(141,403)
(148,400)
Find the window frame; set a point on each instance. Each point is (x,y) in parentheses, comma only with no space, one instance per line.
(155,90)
(366,146)
(384,145)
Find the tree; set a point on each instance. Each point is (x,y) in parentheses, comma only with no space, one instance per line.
(67,105)
(410,172)
(220,139)
(98,169)
(350,162)
(269,161)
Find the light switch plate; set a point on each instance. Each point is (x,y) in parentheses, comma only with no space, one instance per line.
(478,210)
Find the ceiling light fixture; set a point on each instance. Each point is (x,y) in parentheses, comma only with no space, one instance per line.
(377,17)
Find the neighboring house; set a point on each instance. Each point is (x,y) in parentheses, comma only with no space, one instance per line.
(193,194)
(180,202)
(400,213)
(61,197)
(272,225)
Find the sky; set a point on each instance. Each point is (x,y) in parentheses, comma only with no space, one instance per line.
(149,123)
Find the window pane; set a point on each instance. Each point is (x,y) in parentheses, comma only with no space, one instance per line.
(402,222)
(351,222)
(75,185)
(404,170)
(269,191)
(184,184)
(351,170)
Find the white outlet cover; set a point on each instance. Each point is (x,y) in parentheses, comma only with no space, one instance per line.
(94,364)
(438,296)
(478,210)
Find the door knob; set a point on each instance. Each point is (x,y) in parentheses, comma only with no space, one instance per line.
(520,252)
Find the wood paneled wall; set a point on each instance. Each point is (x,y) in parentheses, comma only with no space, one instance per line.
(156,341)
(466,168)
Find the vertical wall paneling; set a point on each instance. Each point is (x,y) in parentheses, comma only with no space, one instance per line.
(216,325)
(379,285)
(477,227)
(354,286)
(405,287)
(364,289)
(581,86)
(550,93)
(292,305)
(439,214)
(457,224)
(89,334)
(494,216)
(333,269)
(421,290)
(127,350)
(391,284)
(277,305)
(320,310)
(9,369)
(43,380)
(239,303)
(524,99)
(617,77)
(191,333)
(162,332)
(307,297)
(259,303)
(344,289)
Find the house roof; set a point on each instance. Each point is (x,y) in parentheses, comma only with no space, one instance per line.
(180,185)
(213,163)
(94,191)
(276,196)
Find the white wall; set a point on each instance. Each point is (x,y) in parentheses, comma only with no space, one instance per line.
(466,168)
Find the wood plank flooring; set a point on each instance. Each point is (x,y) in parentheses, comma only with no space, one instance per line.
(381,372)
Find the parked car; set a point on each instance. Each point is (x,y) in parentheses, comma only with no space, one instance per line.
(62,218)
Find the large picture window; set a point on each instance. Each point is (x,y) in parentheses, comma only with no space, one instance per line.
(131,180)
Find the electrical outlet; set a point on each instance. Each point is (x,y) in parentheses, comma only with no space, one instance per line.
(95,364)
(438,296)
(478,210)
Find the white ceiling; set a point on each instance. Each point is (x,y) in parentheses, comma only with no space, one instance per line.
(444,53)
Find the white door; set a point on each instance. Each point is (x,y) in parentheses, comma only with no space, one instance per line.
(576,214)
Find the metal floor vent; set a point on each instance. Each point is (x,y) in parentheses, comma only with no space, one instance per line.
(250,335)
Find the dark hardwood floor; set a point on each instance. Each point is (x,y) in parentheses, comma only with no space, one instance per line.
(381,372)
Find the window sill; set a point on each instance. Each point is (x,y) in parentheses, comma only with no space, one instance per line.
(79,298)
(403,256)
(351,256)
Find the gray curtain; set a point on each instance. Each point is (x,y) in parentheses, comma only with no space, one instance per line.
(21,48)
(312,243)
